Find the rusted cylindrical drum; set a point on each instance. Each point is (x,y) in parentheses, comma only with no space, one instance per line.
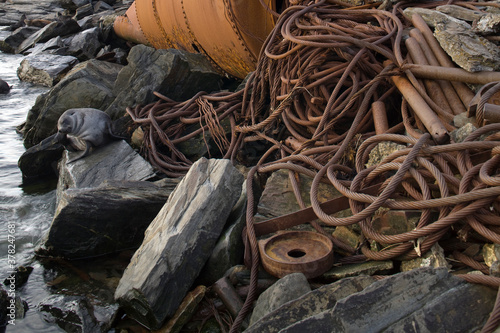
(127,27)
(229,32)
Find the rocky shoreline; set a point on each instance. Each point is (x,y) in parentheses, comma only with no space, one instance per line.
(175,243)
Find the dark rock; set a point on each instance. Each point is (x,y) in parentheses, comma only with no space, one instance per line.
(45,69)
(19,276)
(83,11)
(423,300)
(178,242)
(73,4)
(85,44)
(76,314)
(105,219)
(173,73)
(4,87)
(312,303)
(88,84)
(286,289)
(58,28)
(12,42)
(40,161)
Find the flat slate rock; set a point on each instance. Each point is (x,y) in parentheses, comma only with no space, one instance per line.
(421,300)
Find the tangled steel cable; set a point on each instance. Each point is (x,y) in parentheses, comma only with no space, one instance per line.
(323,75)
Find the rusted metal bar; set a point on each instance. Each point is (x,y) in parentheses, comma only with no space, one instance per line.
(463,91)
(430,120)
(228,295)
(432,87)
(448,89)
(126,27)
(306,215)
(380,117)
(451,74)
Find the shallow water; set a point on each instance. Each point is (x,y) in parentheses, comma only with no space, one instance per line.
(29,210)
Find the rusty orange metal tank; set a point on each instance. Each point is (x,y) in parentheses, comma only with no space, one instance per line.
(127,26)
(229,32)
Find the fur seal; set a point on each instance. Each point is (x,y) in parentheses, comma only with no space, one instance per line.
(84,128)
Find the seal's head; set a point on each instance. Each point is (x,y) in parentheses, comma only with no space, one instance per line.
(64,125)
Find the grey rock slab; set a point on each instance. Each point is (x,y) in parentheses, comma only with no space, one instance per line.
(85,44)
(310,304)
(392,303)
(88,84)
(178,242)
(114,161)
(109,218)
(45,69)
(286,289)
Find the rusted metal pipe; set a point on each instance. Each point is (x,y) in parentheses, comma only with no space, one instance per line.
(454,100)
(380,117)
(463,91)
(491,113)
(430,120)
(432,87)
(451,74)
(126,27)
(228,295)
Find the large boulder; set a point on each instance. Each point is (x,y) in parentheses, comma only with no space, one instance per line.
(178,242)
(45,69)
(422,300)
(304,306)
(173,73)
(88,84)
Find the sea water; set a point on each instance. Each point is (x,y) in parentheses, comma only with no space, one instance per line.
(25,212)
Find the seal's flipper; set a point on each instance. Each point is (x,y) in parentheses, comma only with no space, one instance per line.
(85,153)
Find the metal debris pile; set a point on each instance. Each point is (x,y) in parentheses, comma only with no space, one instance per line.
(331,83)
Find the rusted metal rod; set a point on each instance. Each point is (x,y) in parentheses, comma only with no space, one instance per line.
(449,91)
(228,295)
(430,120)
(463,91)
(433,89)
(380,117)
(491,113)
(451,74)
